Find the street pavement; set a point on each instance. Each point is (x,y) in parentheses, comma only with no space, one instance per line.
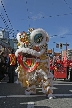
(12,96)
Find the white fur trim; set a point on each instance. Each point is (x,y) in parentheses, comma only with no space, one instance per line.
(18,35)
(37,31)
(29,51)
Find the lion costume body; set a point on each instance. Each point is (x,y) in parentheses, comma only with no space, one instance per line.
(34,68)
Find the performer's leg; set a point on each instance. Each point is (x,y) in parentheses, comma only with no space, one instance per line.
(47,88)
(30,90)
(49,92)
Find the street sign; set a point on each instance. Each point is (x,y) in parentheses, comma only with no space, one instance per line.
(61,45)
(57,45)
(66,44)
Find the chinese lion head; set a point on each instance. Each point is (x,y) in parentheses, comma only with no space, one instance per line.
(33,61)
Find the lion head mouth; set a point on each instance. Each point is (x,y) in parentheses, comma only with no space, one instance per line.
(30,58)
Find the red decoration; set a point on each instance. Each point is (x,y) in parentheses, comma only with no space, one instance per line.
(29,62)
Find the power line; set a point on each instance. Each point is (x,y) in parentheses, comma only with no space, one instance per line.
(6,25)
(48,16)
(59,35)
(4,21)
(8,18)
(67,4)
(27,11)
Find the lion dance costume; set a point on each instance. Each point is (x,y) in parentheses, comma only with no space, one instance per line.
(34,68)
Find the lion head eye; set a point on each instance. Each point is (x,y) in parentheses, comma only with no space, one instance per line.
(38,38)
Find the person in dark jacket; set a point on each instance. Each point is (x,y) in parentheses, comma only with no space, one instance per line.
(2,66)
(67,71)
(12,63)
(71,72)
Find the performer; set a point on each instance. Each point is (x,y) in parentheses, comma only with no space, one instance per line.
(34,68)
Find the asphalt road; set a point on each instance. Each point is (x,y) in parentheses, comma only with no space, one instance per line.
(12,96)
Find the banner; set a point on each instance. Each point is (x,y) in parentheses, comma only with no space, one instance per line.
(57,54)
(50,51)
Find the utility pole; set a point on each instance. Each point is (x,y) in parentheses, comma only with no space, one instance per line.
(66,46)
(53,51)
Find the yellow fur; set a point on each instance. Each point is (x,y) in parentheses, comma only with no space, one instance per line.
(43,57)
(22,76)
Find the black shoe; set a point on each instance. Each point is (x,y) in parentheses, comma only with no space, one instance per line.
(8,82)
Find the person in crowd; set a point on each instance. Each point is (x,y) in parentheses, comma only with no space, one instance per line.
(71,75)
(12,63)
(2,66)
(67,71)
(5,62)
(70,72)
